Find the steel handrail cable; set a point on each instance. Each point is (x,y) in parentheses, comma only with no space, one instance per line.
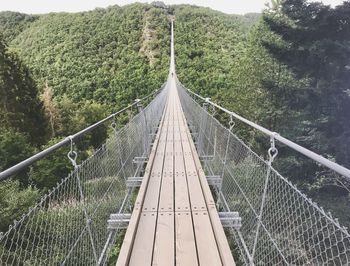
(310,154)
(66,141)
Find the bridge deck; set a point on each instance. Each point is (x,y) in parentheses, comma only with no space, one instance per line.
(175,221)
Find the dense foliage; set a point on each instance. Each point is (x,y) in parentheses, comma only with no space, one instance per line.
(315,45)
(20,107)
(287,70)
(289,73)
(22,128)
(313,41)
(107,55)
(13,23)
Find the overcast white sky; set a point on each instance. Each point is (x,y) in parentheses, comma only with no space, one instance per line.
(46,6)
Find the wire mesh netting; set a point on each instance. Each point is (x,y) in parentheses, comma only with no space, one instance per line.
(280,225)
(69,224)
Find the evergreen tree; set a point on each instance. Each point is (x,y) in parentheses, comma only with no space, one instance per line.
(20,107)
(315,45)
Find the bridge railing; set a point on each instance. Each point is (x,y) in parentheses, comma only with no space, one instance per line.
(68,226)
(280,224)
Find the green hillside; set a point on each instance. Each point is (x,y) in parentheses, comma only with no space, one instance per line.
(84,65)
(286,69)
(13,23)
(107,55)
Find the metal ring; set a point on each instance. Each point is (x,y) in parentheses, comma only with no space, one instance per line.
(273,152)
(72,155)
(231,123)
(213,110)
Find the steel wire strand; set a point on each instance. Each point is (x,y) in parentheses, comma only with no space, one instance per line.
(54,232)
(293,229)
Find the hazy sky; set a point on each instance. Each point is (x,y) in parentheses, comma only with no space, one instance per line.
(46,6)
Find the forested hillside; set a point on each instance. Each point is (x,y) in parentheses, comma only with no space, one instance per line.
(61,72)
(22,128)
(290,73)
(287,70)
(13,23)
(107,55)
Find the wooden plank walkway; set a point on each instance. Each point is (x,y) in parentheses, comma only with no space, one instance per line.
(174,221)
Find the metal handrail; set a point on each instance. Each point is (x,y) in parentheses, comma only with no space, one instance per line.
(310,154)
(67,141)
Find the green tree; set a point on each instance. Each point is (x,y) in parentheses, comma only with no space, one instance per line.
(315,45)
(13,23)
(14,202)
(47,172)
(14,148)
(20,107)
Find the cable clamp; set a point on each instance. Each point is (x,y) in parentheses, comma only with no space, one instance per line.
(273,152)
(72,154)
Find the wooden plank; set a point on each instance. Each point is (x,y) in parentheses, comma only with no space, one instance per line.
(166,198)
(146,231)
(179,223)
(143,246)
(130,234)
(207,249)
(152,193)
(182,201)
(197,200)
(186,252)
(208,253)
(221,240)
(164,249)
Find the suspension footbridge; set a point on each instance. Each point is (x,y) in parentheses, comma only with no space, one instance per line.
(176,187)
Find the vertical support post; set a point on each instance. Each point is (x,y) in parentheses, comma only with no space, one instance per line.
(272,155)
(102,259)
(231,125)
(146,136)
(112,234)
(237,231)
(250,258)
(72,156)
(202,126)
(209,137)
(114,127)
(88,220)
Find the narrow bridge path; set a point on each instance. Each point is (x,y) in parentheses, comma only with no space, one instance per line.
(175,221)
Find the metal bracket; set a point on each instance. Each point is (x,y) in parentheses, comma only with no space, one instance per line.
(139,105)
(214,180)
(140,160)
(230,219)
(194,134)
(206,104)
(206,157)
(118,221)
(192,128)
(134,181)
